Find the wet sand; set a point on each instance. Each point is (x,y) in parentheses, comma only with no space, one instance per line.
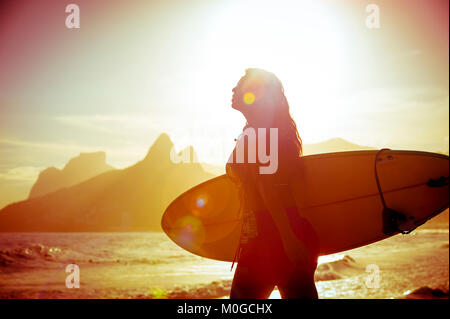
(148,265)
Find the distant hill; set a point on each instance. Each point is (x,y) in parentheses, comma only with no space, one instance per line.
(130,199)
(77,170)
(328,146)
(440,221)
(214,169)
(333,145)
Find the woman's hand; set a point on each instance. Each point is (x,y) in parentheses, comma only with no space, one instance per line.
(296,250)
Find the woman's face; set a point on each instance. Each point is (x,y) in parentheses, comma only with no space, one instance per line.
(248,91)
(237,96)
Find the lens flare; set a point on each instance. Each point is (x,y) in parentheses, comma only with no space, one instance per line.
(190,232)
(249,98)
(200,202)
(158,293)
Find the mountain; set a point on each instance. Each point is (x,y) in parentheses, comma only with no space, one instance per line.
(328,146)
(214,169)
(77,170)
(333,145)
(130,199)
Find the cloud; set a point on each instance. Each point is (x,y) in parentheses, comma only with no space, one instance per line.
(56,154)
(403,118)
(116,124)
(411,53)
(392,100)
(46,145)
(21,174)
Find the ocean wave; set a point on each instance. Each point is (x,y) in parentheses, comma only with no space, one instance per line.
(344,267)
(433,231)
(338,269)
(426,292)
(215,289)
(36,256)
(145,261)
(33,252)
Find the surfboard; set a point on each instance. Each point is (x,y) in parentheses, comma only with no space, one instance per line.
(337,192)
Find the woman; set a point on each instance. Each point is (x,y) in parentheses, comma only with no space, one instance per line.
(278,247)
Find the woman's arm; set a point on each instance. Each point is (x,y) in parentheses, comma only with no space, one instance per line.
(294,248)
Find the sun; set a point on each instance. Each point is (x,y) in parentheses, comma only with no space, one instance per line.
(299,41)
(296,40)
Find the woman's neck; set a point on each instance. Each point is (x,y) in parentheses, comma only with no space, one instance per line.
(259,120)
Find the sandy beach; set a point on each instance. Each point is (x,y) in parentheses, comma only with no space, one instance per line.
(149,265)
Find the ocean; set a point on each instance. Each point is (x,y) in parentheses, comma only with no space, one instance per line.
(149,265)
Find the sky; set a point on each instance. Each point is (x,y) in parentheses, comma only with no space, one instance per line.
(135,69)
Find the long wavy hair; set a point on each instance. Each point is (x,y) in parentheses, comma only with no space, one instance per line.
(273,102)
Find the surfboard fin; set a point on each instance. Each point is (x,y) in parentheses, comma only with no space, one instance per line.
(391,218)
(440,182)
(390,221)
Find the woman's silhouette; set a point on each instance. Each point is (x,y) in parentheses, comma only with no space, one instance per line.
(278,247)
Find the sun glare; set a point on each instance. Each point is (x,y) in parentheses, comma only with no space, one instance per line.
(249,34)
(245,34)
(249,98)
